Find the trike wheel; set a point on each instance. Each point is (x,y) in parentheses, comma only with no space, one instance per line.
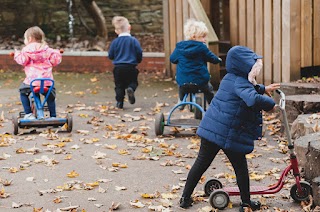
(219,199)
(69,123)
(212,185)
(159,124)
(15,125)
(197,111)
(304,195)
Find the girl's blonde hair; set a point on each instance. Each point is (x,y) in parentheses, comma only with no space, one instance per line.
(193,28)
(36,33)
(120,23)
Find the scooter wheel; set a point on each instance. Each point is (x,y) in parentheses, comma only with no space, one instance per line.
(219,199)
(69,123)
(159,124)
(15,125)
(304,195)
(211,185)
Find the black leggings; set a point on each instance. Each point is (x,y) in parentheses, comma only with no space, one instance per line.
(208,151)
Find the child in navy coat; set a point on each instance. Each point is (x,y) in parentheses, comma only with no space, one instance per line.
(126,53)
(232,122)
(191,57)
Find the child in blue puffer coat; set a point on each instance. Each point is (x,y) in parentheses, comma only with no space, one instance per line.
(232,122)
(191,57)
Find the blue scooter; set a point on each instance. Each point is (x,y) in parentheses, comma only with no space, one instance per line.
(38,107)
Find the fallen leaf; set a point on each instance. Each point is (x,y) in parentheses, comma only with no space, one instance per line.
(72,174)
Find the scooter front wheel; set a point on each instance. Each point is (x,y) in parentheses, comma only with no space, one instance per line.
(219,199)
(297,196)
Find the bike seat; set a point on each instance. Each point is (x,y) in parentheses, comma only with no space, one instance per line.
(37,89)
(191,88)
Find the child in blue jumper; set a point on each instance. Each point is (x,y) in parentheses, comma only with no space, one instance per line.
(232,122)
(126,53)
(191,57)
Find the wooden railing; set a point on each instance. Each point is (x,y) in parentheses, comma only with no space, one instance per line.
(175,13)
(285,32)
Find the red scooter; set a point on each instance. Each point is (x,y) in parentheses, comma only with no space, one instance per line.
(300,191)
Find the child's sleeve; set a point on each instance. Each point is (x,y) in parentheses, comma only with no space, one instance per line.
(21,58)
(55,57)
(212,58)
(174,57)
(251,97)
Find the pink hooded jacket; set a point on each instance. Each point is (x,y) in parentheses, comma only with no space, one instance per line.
(38,60)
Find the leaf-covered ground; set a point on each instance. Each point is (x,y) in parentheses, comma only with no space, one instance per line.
(112,160)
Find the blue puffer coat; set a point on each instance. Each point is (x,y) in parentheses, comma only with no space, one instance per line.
(191,58)
(234,120)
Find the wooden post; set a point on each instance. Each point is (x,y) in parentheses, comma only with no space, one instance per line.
(166,36)
(234,31)
(316,33)
(267,56)
(306,33)
(226,21)
(295,41)
(276,41)
(259,33)
(242,23)
(250,24)
(173,32)
(179,21)
(285,41)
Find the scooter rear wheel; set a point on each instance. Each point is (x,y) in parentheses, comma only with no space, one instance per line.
(69,123)
(15,125)
(219,199)
(211,185)
(197,111)
(304,195)
(159,124)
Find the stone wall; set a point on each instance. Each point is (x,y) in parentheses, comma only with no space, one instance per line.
(145,16)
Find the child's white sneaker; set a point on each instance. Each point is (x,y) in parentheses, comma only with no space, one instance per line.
(29,116)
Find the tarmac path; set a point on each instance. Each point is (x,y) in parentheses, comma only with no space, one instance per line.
(113,155)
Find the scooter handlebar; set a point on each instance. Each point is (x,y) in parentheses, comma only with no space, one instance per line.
(282,101)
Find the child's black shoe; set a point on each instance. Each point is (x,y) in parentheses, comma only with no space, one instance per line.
(254,205)
(119,105)
(186,202)
(131,97)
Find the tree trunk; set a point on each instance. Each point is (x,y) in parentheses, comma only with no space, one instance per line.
(312,169)
(96,14)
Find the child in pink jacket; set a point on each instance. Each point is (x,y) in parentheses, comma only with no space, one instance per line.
(38,59)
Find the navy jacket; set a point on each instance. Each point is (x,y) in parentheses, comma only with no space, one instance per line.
(191,58)
(234,120)
(125,50)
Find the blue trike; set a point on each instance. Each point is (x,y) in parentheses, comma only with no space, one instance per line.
(38,106)
(193,100)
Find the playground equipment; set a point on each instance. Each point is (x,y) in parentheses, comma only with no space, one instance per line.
(195,104)
(38,106)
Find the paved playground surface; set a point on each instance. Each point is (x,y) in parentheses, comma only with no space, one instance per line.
(112,157)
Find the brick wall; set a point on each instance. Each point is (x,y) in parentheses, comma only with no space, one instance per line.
(71,62)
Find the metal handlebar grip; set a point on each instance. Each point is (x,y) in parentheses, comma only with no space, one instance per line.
(282,101)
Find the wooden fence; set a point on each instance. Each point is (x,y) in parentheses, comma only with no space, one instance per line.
(285,32)
(175,13)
